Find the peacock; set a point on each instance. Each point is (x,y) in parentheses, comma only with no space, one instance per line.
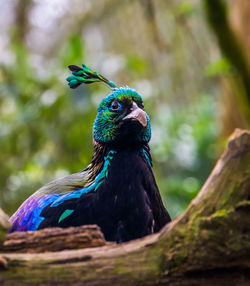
(117,191)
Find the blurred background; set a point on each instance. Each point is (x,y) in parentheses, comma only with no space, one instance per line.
(188,59)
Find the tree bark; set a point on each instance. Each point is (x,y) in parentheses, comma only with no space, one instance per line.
(209,244)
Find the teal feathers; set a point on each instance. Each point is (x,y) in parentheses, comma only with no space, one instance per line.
(65,214)
(87,76)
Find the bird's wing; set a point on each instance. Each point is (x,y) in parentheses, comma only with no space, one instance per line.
(27,217)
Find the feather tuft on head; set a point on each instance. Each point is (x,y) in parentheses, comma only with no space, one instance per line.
(87,76)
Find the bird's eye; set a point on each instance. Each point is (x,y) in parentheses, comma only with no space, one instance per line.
(115,106)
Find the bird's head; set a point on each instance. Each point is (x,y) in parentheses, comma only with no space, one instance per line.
(120,116)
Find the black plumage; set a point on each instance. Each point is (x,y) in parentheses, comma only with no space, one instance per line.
(127,205)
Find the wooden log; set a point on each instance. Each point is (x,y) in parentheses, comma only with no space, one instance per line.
(54,239)
(209,244)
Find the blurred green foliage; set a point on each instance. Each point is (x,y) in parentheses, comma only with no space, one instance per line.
(219,67)
(187,151)
(46,128)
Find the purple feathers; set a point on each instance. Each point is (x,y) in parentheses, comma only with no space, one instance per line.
(27,217)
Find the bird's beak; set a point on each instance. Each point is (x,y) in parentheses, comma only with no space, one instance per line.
(137,114)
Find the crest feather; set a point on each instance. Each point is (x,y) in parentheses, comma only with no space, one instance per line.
(87,76)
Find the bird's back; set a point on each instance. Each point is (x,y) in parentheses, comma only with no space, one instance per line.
(28,216)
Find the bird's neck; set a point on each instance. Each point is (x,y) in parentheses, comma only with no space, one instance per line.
(101,151)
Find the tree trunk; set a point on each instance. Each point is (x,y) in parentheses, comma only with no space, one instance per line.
(223,19)
(209,244)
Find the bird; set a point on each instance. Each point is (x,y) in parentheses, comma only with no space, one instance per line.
(117,191)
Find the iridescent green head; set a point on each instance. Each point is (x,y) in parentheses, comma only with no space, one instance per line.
(120,116)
